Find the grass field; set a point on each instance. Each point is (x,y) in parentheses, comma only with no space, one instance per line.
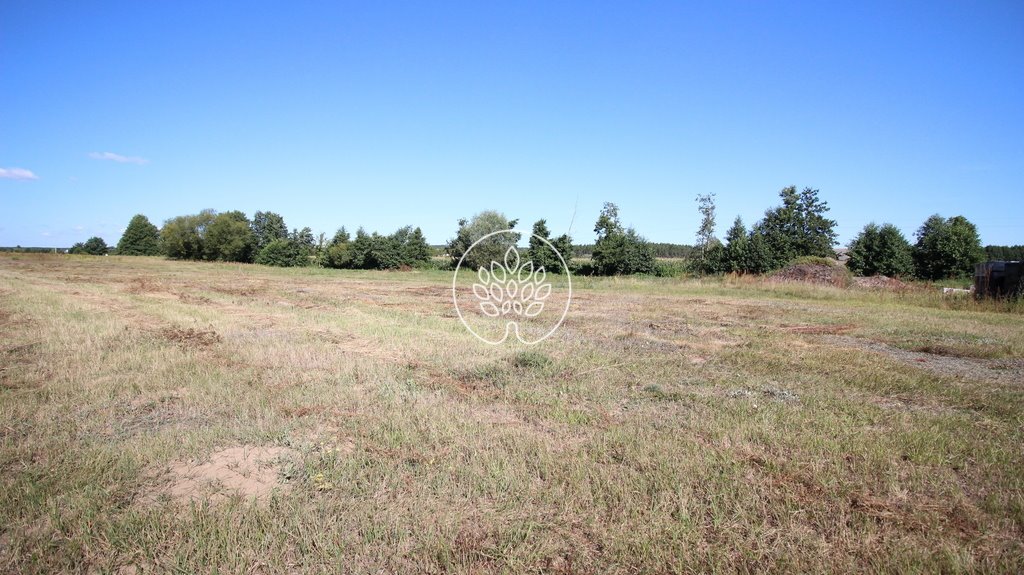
(161,416)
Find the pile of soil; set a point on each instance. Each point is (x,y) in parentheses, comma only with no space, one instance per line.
(880,282)
(814,273)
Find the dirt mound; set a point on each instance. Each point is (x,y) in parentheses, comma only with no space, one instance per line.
(879,282)
(250,472)
(814,273)
(189,337)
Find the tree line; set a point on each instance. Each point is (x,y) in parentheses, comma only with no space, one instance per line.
(797,227)
(944,247)
(266,239)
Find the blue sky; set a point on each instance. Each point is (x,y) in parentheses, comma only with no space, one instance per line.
(385,114)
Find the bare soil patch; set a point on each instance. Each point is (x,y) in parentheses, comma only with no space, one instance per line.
(820,274)
(250,472)
(191,337)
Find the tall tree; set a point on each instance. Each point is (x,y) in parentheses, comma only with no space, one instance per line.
(416,250)
(617,250)
(736,251)
(798,227)
(881,250)
(474,230)
(706,231)
(539,252)
(267,227)
(608,223)
(946,248)
(140,238)
(182,236)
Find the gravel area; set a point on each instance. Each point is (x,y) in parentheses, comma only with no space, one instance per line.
(1004,371)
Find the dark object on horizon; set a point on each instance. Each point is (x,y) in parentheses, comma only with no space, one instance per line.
(998,279)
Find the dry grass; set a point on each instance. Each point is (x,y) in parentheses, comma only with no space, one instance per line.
(183,417)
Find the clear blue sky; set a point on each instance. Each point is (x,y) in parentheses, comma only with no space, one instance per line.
(385,114)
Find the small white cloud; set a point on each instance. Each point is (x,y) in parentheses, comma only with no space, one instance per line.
(118,158)
(79,228)
(17,174)
(45,234)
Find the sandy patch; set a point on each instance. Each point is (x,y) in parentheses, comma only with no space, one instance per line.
(249,472)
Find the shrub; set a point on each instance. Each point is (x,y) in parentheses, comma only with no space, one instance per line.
(282,252)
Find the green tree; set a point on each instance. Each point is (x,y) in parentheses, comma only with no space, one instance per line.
(267,227)
(491,249)
(282,252)
(306,243)
(618,250)
(881,250)
(539,252)
(386,251)
(946,248)
(94,246)
(798,227)
(563,244)
(706,232)
(759,258)
(361,250)
(337,254)
(229,238)
(415,249)
(140,238)
(734,255)
(182,236)
(1004,253)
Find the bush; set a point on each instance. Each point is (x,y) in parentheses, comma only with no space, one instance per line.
(282,252)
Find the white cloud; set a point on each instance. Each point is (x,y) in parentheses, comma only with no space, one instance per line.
(79,228)
(17,174)
(118,158)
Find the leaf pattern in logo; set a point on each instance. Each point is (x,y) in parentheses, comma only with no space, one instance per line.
(511,287)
